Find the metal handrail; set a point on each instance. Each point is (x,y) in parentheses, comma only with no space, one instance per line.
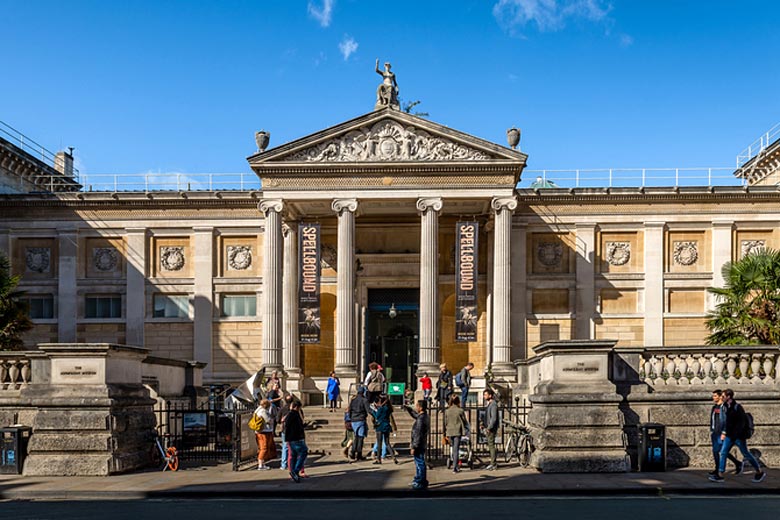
(632,177)
(31,146)
(757,146)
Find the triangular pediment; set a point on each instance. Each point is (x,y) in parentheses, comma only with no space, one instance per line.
(386,136)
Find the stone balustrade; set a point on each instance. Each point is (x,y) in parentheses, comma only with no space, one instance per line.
(665,367)
(15,371)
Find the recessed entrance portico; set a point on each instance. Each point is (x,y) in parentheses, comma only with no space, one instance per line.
(390,187)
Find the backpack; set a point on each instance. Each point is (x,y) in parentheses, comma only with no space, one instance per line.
(256,423)
(750,425)
(458,381)
(375,382)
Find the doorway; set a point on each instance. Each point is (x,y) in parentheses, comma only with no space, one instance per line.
(392,328)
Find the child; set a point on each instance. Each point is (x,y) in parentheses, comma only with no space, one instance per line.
(427,386)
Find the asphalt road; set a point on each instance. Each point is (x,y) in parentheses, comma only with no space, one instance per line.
(602,508)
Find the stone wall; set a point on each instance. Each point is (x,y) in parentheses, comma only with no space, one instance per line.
(171,339)
(237,349)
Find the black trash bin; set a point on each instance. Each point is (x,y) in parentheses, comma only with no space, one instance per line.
(13,448)
(652,447)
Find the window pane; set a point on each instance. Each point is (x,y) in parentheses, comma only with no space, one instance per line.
(171,306)
(239,305)
(41,307)
(103,307)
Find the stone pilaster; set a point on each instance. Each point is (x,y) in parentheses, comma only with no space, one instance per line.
(489,295)
(519,311)
(67,295)
(502,301)
(136,285)
(722,247)
(290,352)
(272,283)
(203,308)
(586,281)
(429,285)
(654,284)
(346,347)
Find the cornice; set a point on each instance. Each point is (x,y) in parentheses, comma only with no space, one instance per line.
(672,195)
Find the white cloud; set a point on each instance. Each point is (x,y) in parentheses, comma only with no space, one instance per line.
(347,46)
(548,15)
(323,14)
(626,40)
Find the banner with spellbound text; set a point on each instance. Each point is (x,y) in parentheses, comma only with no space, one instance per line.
(467,252)
(309,242)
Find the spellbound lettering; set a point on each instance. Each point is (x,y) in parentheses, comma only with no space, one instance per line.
(309,267)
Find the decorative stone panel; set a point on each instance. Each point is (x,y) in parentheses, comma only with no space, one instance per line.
(685,252)
(549,253)
(618,253)
(172,258)
(751,246)
(37,259)
(105,258)
(239,257)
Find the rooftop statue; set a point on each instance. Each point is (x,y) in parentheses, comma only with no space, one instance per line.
(387,92)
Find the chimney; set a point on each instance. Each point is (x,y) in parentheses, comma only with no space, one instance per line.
(63,163)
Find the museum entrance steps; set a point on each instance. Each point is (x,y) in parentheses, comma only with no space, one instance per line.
(325,430)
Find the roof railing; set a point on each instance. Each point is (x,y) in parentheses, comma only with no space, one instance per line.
(759,145)
(30,146)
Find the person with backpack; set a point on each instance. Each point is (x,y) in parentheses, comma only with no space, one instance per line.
(717,416)
(375,382)
(736,430)
(358,414)
(443,386)
(463,381)
(419,443)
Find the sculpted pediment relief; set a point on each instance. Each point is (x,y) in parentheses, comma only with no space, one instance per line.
(387,140)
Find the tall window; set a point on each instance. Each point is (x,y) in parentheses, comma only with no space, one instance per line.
(239,305)
(41,307)
(171,306)
(108,306)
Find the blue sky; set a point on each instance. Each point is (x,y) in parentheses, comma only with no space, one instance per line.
(183,85)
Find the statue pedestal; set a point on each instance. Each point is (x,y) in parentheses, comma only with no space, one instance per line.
(575,418)
(94,415)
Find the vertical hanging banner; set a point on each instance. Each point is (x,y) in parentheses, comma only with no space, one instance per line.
(467,251)
(309,240)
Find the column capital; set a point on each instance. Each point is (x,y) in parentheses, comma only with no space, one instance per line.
(267,205)
(289,226)
(434,203)
(339,205)
(501,203)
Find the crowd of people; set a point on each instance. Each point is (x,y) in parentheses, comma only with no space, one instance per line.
(730,424)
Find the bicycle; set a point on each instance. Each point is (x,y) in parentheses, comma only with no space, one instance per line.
(518,443)
(166,456)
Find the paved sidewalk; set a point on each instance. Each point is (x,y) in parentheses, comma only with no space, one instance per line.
(330,476)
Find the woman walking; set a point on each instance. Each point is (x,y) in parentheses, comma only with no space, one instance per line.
(333,391)
(455,426)
(383,427)
(266,449)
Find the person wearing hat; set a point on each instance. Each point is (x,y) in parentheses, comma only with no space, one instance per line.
(358,413)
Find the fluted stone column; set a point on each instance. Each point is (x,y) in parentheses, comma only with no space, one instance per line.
(428,359)
(518,312)
(502,302)
(272,283)
(346,353)
(290,352)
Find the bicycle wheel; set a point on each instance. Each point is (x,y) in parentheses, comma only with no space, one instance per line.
(524,451)
(172,459)
(510,447)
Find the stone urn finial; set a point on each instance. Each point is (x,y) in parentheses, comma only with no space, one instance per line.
(262,138)
(513,137)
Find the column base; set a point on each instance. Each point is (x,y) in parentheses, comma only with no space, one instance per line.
(504,372)
(293,381)
(431,368)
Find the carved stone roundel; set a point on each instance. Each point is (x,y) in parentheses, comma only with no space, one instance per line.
(172,258)
(549,253)
(618,253)
(38,259)
(752,246)
(239,257)
(105,258)
(685,253)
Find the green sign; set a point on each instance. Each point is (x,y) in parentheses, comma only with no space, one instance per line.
(396,388)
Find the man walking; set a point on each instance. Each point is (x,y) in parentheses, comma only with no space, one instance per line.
(463,381)
(734,432)
(716,427)
(358,413)
(296,440)
(419,443)
(491,425)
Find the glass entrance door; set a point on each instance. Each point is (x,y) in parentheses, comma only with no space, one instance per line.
(392,325)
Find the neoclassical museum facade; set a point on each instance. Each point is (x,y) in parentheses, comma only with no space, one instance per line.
(415,243)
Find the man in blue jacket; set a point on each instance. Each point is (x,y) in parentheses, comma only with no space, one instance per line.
(717,417)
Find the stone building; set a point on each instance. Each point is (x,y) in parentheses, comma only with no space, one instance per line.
(212,275)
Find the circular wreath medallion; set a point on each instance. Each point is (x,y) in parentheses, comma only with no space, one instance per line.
(239,257)
(549,253)
(685,253)
(104,258)
(38,259)
(172,258)
(618,253)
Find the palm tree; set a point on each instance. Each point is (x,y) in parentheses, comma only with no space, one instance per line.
(748,309)
(14,312)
